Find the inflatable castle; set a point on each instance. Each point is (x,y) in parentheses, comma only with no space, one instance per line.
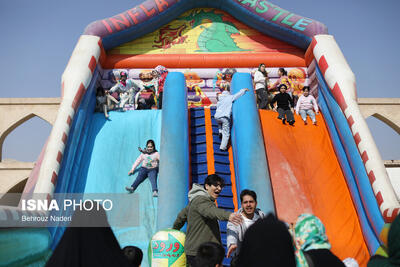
(332,170)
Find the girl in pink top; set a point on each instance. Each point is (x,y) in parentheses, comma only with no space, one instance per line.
(150,159)
(305,106)
(283,79)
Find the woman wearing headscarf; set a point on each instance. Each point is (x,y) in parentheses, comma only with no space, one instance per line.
(261,85)
(312,245)
(393,248)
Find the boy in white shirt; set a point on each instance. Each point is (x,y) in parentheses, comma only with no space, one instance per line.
(250,214)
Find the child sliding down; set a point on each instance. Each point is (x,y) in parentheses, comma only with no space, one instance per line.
(150,160)
(284,105)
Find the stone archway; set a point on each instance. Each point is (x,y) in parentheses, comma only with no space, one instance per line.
(386,110)
(13,113)
(13,194)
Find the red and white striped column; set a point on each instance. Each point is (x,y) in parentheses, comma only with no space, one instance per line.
(341,81)
(75,80)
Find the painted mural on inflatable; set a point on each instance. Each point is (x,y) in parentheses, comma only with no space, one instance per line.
(271,14)
(203,30)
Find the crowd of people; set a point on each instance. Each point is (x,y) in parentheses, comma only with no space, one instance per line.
(253,238)
(126,92)
(148,91)
(281,92)
(256,239)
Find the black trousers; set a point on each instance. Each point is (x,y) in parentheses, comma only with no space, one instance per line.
(263,98)
(288,113)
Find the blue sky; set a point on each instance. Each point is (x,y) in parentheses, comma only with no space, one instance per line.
(39,36)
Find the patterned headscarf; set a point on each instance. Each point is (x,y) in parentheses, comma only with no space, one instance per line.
(160,69)
(309,234)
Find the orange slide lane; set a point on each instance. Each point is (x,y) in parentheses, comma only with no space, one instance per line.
(306,178)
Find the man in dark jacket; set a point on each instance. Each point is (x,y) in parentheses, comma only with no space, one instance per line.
(202,216)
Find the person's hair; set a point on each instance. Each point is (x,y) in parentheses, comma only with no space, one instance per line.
(257,251)
(284,72)
(209,254)
(133,254)
(214,179)
(306,88)
(282,85)
(152,142)
(123,74)
(263,72)
(247,192)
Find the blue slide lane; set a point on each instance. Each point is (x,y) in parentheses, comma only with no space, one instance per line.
(222,168)
(114,150)
(198,146)
(199,167)
(350,161)
(98,157)
(251,167)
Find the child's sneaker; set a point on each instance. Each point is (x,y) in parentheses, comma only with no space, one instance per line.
(315,123)
(305,122)
(291,123)
(283,121)
(155,194)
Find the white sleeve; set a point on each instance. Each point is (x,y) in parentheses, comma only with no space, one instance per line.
(133,84)
(259,77)
(114,88)
(239,94)
(232,235)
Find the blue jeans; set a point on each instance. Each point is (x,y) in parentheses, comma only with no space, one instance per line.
(309,112)
(143,174)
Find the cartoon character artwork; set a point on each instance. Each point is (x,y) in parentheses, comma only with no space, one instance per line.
(217,80)
(216,37)
(196,97)
(169,36)
(297,78)
(223,79)
(146,97)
